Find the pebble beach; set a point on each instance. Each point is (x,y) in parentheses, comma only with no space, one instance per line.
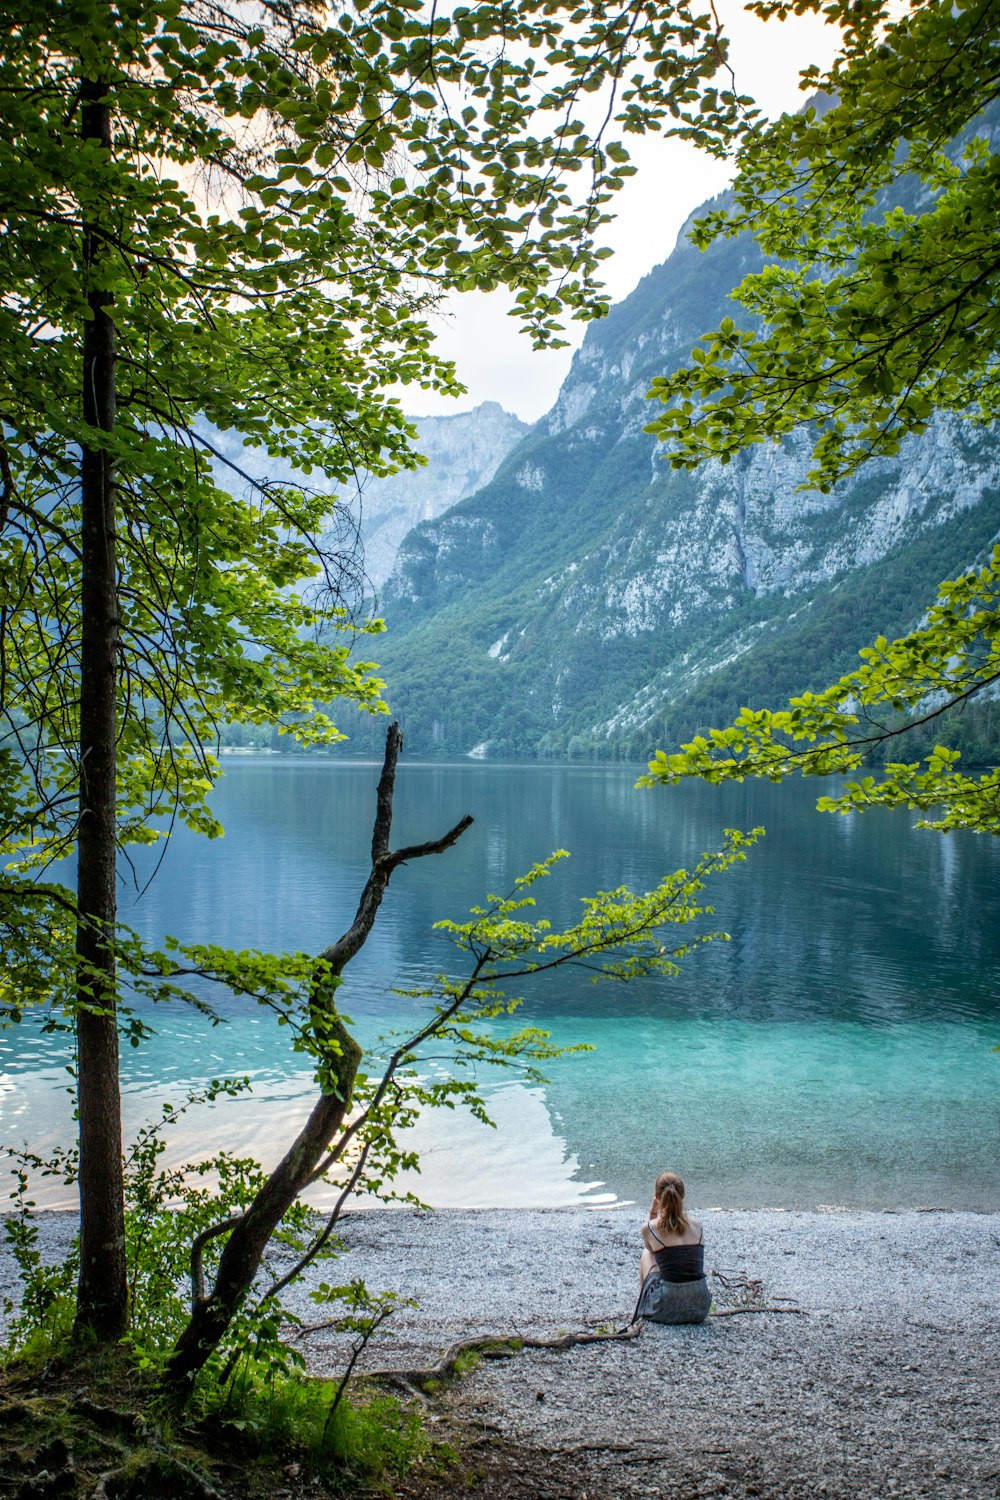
(886,1383)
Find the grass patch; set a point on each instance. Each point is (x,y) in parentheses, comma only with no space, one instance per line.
(86,1416)
(367,1437)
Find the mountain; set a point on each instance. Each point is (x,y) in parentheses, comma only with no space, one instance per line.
(590,600)
(463,453)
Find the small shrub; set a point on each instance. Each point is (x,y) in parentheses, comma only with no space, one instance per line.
(268,1412)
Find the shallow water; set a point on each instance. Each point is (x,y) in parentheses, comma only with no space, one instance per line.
(836,1051)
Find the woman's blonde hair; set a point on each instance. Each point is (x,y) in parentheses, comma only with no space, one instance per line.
(669,1195)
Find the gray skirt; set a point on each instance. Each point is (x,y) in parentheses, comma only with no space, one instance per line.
(673,1301)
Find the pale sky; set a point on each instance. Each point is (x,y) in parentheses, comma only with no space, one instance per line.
(494,360)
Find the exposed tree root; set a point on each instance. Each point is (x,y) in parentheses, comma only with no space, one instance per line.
(744,1296)
(163,1477)
(110,1418)
(411,1380)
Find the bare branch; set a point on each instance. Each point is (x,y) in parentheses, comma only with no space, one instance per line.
(197,1255)
(340,1057)
(334,959)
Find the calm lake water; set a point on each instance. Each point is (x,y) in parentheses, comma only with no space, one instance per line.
(836,1052)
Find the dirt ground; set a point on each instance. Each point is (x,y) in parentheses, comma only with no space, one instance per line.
(885,1383)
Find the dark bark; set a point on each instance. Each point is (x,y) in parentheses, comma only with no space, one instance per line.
(248,1239)
(102,1297)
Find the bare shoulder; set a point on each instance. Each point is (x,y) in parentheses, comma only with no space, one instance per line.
(696,1225)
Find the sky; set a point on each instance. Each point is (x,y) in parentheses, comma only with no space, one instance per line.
(494,360)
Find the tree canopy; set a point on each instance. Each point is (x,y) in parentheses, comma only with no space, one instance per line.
(878,202)
(282,194)
(238,217)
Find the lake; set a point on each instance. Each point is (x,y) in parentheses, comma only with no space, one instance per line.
(836,1052)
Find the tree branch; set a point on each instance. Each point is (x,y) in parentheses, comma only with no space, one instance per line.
(197,1255)
(492,1346)
(340,1056)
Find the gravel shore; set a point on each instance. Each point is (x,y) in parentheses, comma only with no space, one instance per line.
(888,1386)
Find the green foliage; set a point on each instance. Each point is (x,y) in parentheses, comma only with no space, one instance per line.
(620,935)
(880,310)
(167,1208)
(255,1374)
(81,1422)
(259,1395)
(283,201)
(951,658)
(373,1436)
(43,1314)
(879,307)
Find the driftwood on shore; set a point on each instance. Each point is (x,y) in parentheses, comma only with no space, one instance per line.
(414,1379)
(736,1292)
(742,1294)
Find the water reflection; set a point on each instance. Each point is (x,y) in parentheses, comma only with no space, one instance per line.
(836,1049)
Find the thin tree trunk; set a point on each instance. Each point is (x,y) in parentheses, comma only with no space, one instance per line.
(102,1297)
(244,1250)
(249,1237)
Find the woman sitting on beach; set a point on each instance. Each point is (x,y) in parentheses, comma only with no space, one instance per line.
(672,1268)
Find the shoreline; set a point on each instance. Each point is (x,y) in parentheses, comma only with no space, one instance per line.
(587,1209)
(907,1256)
(888,1385)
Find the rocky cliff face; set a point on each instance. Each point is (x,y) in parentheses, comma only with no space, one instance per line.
(590,599)
(463,453)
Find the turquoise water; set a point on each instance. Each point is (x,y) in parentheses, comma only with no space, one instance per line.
(837,1051)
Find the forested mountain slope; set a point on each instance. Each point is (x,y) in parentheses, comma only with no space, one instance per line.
(591,600)
(463,453)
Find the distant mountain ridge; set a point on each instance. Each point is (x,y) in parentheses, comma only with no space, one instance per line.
(590,600)
(463,452)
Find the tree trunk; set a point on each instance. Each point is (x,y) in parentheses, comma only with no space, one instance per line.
(241,1258)
(102,1297)
(249,1236)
